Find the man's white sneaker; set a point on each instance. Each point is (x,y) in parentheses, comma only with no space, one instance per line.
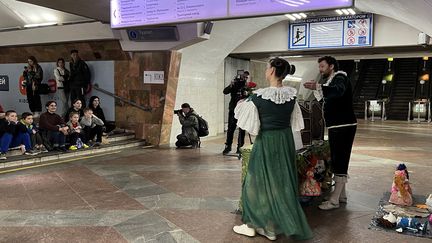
(327,205)
(244,230)
(262,232)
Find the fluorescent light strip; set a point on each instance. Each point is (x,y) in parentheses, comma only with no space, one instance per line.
(39,25)
(297,16)
(290,17)
(351,11)
(338,11)
(345,12)
(294,56)
(303,15)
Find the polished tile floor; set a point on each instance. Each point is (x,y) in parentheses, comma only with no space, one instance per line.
(169,195)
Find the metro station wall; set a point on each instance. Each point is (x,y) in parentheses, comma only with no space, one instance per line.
(154,124)
(114,70)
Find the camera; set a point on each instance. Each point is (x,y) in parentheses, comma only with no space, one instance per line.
(178,111)
(239,78)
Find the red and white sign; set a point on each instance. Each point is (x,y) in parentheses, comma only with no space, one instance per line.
(362,32)
(351,40)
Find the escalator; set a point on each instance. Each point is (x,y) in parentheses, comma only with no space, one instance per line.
(403,91)
(367,85)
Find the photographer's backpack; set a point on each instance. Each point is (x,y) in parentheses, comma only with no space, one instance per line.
(202,126)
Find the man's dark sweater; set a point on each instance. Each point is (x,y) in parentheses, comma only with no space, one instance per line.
(50,122)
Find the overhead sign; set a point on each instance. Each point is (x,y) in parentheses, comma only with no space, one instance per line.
(132,13)
(332,32)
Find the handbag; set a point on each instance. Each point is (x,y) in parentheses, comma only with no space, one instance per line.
(43,89)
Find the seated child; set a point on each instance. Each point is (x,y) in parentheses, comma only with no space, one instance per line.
(92,126)
(26,125)
(10,137)
(76,134)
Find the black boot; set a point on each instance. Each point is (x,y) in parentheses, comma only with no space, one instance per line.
(226,150)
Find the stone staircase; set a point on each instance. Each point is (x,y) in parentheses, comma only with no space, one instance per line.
(117,141)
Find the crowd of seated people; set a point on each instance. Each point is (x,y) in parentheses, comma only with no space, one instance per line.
(80,129)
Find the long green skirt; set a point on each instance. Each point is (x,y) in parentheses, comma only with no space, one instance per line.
(270,189)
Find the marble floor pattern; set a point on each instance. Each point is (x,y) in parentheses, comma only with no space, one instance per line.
(169,195)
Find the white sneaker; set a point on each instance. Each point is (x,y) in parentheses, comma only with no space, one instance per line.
(341,199)
(244,230)
(262,232)
(327,205)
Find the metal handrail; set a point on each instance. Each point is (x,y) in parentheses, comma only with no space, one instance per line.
(129,102)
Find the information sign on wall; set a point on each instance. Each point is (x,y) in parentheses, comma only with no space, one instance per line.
(332,32)
(154,77)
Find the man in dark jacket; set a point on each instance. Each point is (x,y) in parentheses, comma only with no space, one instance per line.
(238,90)
(189,121)
(340,121)
(79,79)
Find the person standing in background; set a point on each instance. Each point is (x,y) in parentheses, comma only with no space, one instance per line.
(33,75)
(80,76)
(238,90)
(61,75)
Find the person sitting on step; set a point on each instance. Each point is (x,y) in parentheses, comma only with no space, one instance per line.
(53,128)
(10,137)
(76,134)
(92,126)
(26,125)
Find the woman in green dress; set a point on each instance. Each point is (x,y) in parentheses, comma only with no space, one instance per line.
(270,189)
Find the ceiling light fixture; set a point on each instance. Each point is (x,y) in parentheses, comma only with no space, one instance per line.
(346,11)
(39,25)
(294,56)
(351,11)
(303,15)
(290,17)
(297,16)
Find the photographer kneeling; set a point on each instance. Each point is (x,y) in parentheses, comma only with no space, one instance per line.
(189,121)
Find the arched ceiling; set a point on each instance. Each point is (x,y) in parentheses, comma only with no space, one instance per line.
(16,15)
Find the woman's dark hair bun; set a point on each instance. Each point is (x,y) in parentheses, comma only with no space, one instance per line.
(282,66)
(292,70)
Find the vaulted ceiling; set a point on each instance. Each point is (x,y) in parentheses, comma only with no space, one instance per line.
(16,14)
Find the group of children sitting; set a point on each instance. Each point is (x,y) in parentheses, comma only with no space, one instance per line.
(53,133)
